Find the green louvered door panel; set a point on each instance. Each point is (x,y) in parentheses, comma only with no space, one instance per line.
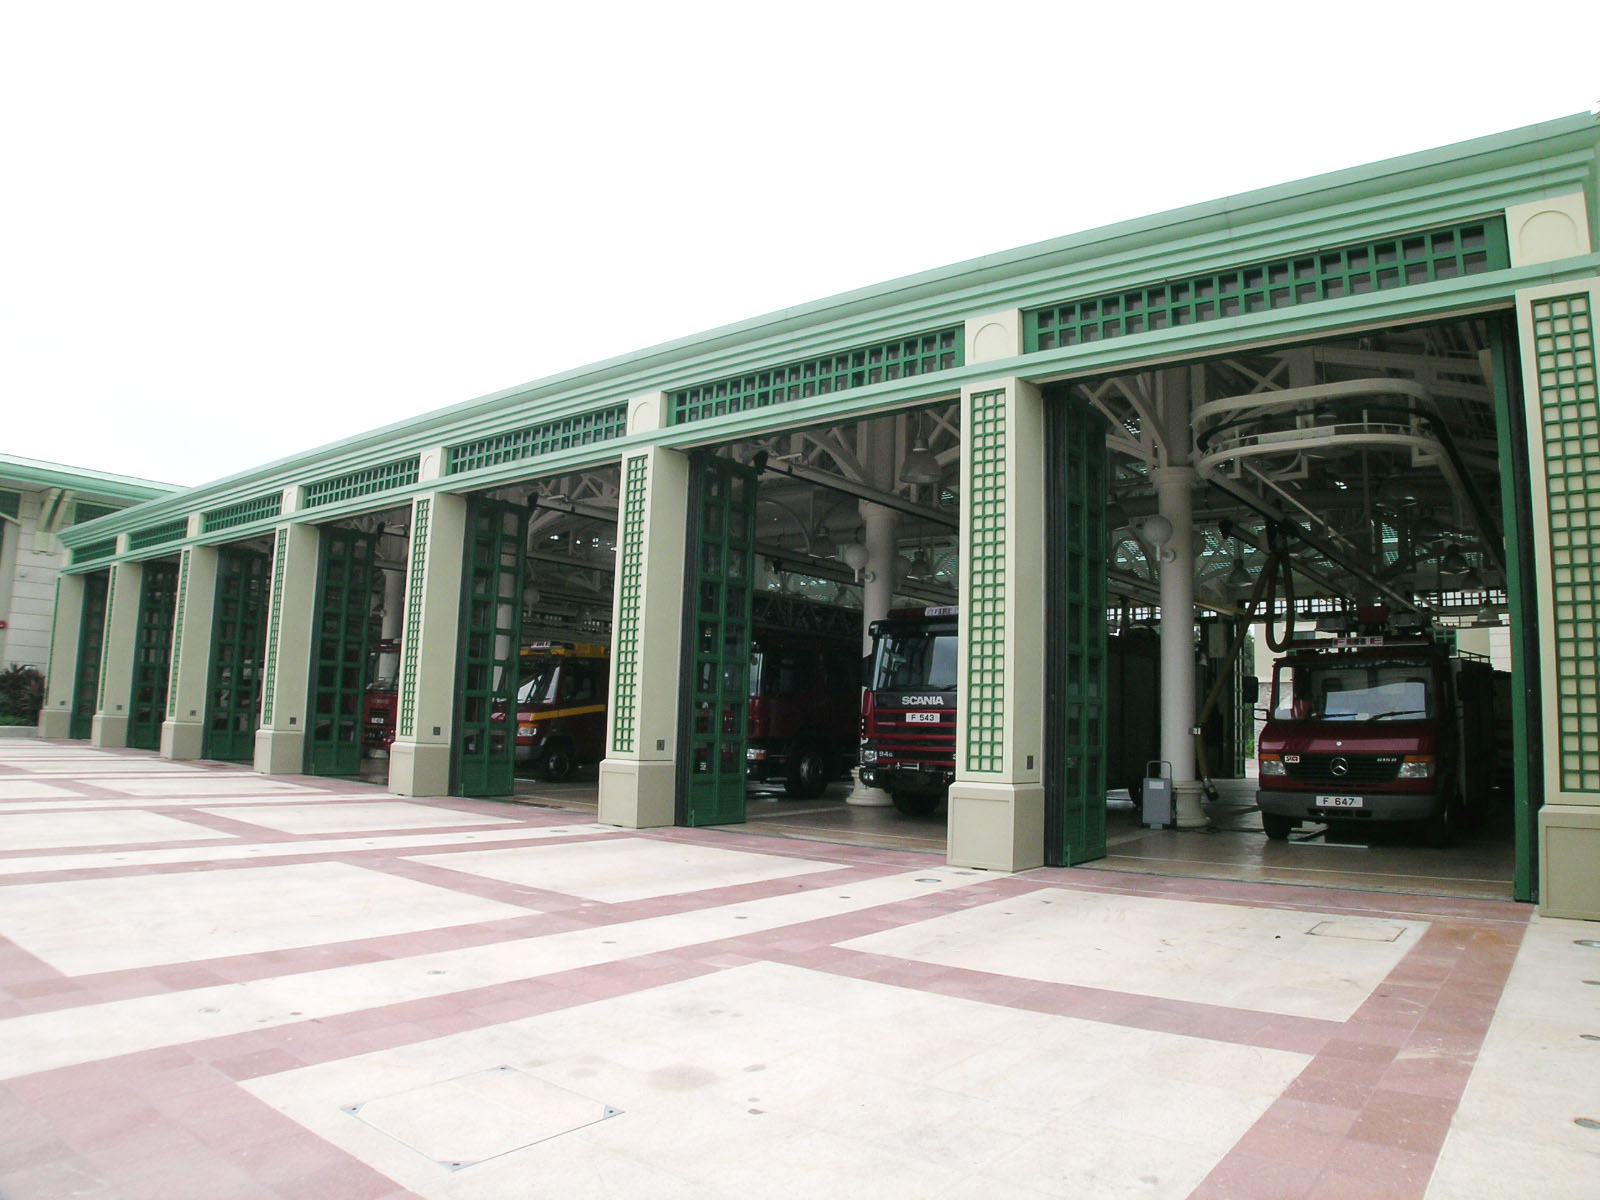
(91,639)
(152,655)
(717,654)
(491,637)
(341,637)
(238,645)
(1075,651)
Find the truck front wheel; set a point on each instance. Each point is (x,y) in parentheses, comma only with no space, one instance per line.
(914,804)
(557,763)
(808,773)
(1277,826)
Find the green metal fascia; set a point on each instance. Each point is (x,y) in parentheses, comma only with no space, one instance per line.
(1462,181)
(80,480)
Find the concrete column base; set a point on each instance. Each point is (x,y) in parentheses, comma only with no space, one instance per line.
(1569,847)
(182,741)
(280,751)
(996,826)
(55,724)
(866,797)
(419,768)
(109,731)
(1186,810)
(638,795)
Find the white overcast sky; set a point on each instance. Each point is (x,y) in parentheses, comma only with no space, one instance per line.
(235,231)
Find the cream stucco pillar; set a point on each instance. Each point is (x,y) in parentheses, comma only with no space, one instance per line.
(61,675)
(419,760)
(183,732)
(997,799)
(286,673)
(110,726)
(638,779)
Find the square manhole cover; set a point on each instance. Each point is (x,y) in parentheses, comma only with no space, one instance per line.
(1360,931)
(462,1121)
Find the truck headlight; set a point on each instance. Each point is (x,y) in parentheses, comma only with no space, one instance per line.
(1416,766)
(1271,764)
(869,756)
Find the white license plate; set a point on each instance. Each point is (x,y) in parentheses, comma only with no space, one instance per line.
(1341,802)
(922,718)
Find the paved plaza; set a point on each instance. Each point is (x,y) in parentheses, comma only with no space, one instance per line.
(221,985)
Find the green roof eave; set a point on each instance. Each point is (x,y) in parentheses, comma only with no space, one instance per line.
(32,472)
(1478,177)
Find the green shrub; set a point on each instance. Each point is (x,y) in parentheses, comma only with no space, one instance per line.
(21,695)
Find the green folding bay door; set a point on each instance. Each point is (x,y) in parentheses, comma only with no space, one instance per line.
(1075,641)
(152,654)
(238,647)
(717,652)
(341,639)
(491,643)
(91,641)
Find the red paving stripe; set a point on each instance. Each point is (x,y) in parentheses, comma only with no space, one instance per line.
(1387,1087)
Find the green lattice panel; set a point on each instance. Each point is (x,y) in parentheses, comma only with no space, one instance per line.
(159,535)
(720,566)
(901,358)
(105,642)
(491,635)
(152,654)
(11,504)
(415,581)
(402,472)
(1330,274)
(83,511)
(245,512)
(533,440)
(238,646)
(280,548)
(91,639)
(341,635)
(90,551)
(630,594)
(1564,348)
(177,635)
(983,694)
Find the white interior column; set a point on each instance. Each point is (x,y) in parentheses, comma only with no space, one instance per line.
(1174,494)
(877,594)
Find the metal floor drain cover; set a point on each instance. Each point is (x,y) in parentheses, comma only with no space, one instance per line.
(1359,931)
(467,1120)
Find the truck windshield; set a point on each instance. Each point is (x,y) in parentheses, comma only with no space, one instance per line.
(914,659)
(1385,690)
(539,678)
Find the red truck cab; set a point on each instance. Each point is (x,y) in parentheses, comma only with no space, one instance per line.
(908,708)
(561,706)
(804,695)
(1378,728)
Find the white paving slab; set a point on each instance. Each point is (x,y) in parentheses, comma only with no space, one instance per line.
(29,789)
(82,927)
(740,1085)
(235,851)
(43,831)
(202,785)
(627,869)
(343,815)
(43,1041)
(1256,958)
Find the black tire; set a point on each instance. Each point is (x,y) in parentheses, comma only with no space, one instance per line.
(1277,826)
(557,763)
(914,804)
(809,772)
(1439,830)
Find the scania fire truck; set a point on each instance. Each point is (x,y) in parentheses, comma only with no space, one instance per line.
(1382,726)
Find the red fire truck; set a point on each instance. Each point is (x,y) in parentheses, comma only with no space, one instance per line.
(561,706)
(804,697)
(908,710)
(1382,726)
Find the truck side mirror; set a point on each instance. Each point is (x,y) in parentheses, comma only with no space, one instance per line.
(1251,687)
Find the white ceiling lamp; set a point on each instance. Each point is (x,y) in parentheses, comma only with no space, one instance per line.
(920,464)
